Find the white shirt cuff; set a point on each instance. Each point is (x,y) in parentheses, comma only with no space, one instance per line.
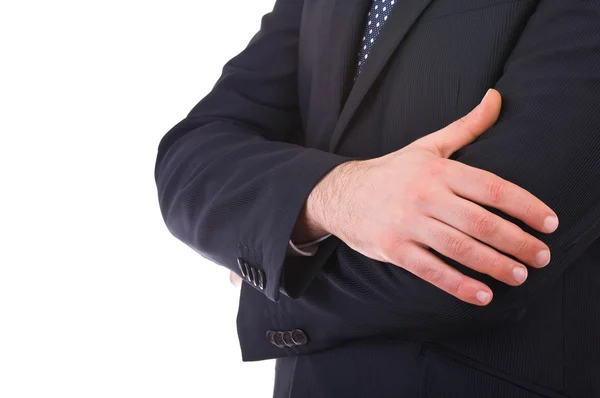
(305,249)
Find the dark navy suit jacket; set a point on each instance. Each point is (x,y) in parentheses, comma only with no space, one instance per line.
(232,178)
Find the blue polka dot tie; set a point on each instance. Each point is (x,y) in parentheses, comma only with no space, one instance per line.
(379,13)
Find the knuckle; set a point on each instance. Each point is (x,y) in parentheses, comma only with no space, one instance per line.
(435,168)
(430,273)
(484,225)
(459,247)
(528,209)
(389,244)
(422,196)
(494,265)
(425,196)
(495,191)
(522,246)
(455,286)
(464,124)
(423,269)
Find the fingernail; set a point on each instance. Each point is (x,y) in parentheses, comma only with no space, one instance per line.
(483,297)
(543,258)
(550,223)
(486,94)
(520,274)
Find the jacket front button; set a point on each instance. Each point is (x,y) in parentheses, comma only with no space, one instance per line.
(299,337)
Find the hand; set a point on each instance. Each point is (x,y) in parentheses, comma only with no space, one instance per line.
(393,208)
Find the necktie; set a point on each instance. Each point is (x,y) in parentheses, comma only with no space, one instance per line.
(379,13)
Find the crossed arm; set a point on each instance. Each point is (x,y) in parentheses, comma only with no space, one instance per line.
(240,153)
(547,141)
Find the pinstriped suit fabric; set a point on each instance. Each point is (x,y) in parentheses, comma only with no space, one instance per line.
(233,176)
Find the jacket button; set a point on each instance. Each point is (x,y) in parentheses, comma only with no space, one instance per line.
(278,339)
(254,276)
(299,337)
(287,339)
(242,265)
(261,280)
(271,336)
(249,276)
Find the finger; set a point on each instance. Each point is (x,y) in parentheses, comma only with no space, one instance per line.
(460,247)
(488,189)
(488,228)
(235,279)
(420,262)
(465,130)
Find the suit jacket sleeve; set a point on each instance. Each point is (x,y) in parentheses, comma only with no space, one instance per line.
(233,176)
(547,141)
(548,137)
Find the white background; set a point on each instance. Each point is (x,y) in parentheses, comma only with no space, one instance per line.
(97,298)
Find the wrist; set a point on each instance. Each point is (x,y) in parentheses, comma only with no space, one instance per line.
(326,207)
(306,229)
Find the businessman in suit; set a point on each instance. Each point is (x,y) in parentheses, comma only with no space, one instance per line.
(395,238)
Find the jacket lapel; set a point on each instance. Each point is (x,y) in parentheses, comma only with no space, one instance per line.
(402,17)
(342,43)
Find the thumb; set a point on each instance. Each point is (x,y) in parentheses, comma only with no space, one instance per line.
(465,130)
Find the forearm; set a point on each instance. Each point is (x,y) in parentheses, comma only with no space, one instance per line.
(233,176)
(229,194)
